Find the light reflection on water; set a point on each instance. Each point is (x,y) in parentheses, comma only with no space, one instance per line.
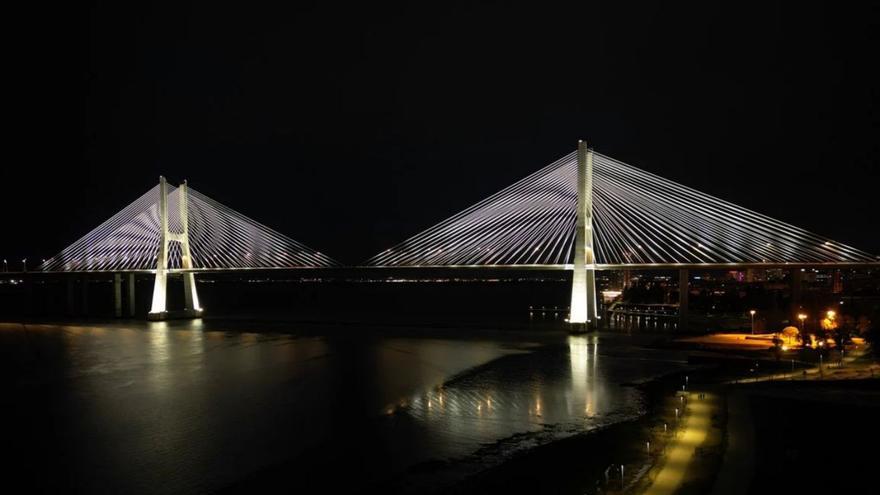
(519,401)
(523,393)
(190,407)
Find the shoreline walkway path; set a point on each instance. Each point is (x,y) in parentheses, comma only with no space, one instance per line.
(682,449)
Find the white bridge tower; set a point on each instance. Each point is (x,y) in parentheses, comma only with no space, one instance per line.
(158,310)
(583,287)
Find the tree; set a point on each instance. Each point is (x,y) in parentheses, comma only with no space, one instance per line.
(830,323)
(870,331)
(777,349)
(844,331)
(864,326)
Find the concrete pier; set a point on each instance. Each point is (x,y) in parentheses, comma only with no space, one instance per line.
(683,292)
(117,295)
(584,314)
(131,300)
(70,284)
(84,306)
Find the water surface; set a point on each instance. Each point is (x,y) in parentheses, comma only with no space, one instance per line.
(197,406)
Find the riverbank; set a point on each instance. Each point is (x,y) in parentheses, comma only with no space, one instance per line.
(689,457)
(663,451)
(582,463)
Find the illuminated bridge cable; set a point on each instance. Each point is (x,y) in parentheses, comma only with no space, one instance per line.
(220,238)
(638,218)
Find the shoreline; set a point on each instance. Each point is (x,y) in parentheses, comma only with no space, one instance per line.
(563,465)
(576,464)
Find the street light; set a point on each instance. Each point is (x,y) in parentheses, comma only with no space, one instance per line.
(802,317)
(24,265)
(5,266)
(752,312)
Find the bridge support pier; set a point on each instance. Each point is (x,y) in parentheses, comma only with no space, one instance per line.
(70,284)
(29,309)
(683,292)
(584,313)
(84,307)
(797,277)
(159,309)
(117,295)
(131,300)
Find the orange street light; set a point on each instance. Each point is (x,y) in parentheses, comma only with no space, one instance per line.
(802,317)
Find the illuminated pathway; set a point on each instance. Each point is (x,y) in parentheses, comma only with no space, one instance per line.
(680,451)
(830,370)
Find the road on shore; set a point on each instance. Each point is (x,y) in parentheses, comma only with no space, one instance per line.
(682,449)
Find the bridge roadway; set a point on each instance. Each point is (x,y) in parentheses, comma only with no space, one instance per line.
(683,268)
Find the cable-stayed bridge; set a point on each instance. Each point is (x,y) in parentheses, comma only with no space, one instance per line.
(587,212)
(219,238)
(583,212)
(638,219)
(171,230)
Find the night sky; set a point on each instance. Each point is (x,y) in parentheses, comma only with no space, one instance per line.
(350,129)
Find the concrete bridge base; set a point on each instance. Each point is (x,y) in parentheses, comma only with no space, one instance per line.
(683,292)
(183,314)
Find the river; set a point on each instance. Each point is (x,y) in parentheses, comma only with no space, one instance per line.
(197,406)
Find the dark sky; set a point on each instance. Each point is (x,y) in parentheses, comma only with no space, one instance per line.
(350,129)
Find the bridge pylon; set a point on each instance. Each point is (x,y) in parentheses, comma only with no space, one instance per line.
(192,308)
(584,313)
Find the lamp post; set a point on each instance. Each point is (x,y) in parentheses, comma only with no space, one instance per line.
(5,266)
(831,314)
(752,312)
(802,317)
(24,265)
